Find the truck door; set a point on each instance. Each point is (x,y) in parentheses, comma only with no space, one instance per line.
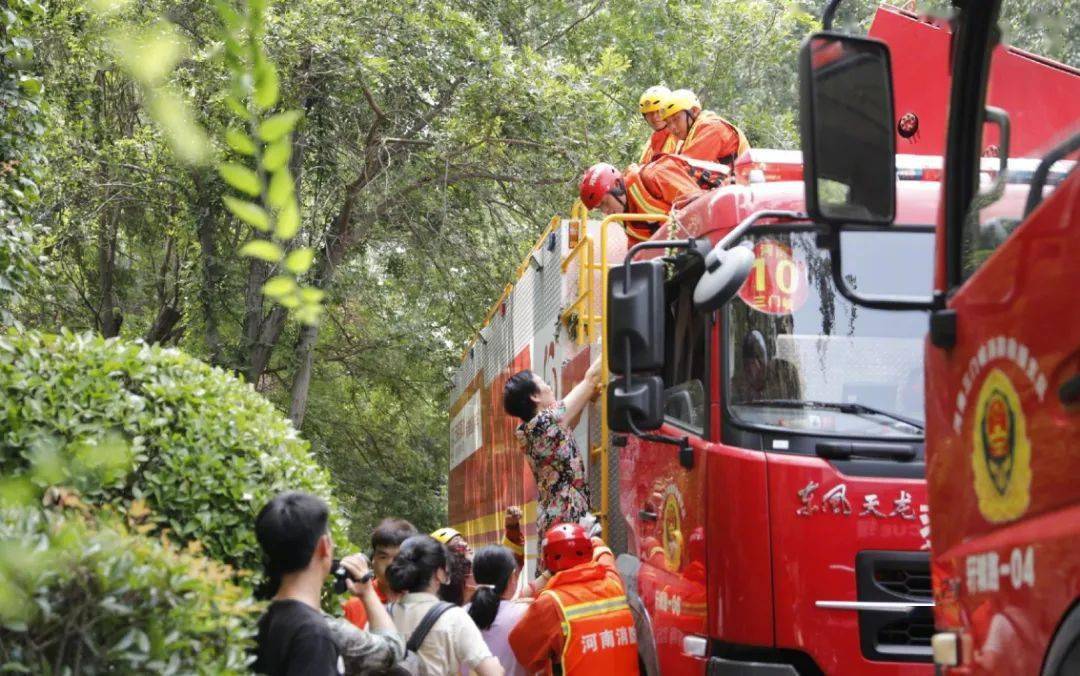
(664,500)
(1003,393)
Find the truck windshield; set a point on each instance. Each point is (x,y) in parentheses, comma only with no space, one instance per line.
(800,357)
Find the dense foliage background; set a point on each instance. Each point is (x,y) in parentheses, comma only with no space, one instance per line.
(152,397)
(438,138)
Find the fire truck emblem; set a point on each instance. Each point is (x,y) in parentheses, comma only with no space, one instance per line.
(1001,459)
(672,532)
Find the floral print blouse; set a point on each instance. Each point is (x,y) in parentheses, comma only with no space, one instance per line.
(557,467)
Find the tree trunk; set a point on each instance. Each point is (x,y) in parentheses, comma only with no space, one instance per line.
(301,386)
(162,329)
(109,317)
(209,220)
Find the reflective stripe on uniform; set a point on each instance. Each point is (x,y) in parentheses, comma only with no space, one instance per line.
(567,633)
(645,203)
(581,611)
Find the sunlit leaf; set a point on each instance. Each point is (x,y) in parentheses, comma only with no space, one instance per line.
(186,137)
(228,15)
(266,85)
(109,6)
(299,260)
(248,212)
(240,177)
(281,188)
(276,126)
(263,250)
(288,222)
(277,154)
(238,108)
(311,294)
(279,286)
(308,313)
(239,141)
(150,54)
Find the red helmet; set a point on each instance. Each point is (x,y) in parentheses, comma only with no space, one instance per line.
(597,181)
(565,546)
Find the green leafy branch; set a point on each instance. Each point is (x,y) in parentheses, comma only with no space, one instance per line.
(262,143)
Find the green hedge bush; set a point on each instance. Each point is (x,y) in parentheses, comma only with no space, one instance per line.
(86,598)
(208,450)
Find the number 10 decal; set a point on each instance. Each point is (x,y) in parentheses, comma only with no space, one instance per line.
(778,283)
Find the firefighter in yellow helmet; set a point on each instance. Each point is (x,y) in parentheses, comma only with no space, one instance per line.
(661,140)
(703,135)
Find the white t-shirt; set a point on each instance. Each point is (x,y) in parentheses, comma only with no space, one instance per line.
(453,642)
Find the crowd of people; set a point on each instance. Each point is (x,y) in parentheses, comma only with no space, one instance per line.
(429,604)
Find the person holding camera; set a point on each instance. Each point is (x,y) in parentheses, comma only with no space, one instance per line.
(294,636)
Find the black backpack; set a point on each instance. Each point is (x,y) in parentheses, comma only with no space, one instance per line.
(411,665)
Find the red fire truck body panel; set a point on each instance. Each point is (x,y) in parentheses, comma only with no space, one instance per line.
(1002,448)
(1019,83)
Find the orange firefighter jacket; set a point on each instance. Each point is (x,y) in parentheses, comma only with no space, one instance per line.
(714,139)
(652,188)
(660,143)
(580,620)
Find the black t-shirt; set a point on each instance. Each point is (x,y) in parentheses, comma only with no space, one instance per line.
(295,641)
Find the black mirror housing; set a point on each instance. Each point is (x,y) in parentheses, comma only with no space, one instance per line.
(636,317)
(846,122)
(640,401)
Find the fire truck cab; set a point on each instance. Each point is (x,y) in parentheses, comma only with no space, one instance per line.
(1002,368)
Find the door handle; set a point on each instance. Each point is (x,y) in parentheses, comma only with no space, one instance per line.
(1069,392)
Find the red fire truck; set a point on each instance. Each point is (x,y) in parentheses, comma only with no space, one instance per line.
(764,484)
(1003,352)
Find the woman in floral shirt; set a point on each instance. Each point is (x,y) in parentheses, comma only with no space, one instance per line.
(548,440)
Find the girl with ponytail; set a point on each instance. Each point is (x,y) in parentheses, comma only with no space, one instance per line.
(453,644)
(496,573)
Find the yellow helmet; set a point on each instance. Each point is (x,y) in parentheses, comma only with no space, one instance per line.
(445,535)
(652,98)
(678,101)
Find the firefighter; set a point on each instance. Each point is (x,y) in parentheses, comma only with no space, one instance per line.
(580,622)
(661,141)
(702,134)
(644,189)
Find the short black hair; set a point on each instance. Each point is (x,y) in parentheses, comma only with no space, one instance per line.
(288,528)
(391,532)
(421,556)
(518,393)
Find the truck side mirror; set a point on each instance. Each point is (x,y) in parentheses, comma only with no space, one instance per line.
(725,272)
(635,340)
(636,318)
(846,121)
(636,404)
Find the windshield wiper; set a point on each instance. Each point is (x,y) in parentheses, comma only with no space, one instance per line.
(850,407)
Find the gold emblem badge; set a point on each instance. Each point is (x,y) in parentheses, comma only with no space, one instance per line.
(672,533)
(1001,453)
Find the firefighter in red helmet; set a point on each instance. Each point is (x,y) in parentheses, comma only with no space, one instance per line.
(644,189)
(580,621)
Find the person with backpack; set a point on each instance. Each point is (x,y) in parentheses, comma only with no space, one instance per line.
(492,609)
(441,637)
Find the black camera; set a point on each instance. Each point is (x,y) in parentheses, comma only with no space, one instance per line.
(341,574)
